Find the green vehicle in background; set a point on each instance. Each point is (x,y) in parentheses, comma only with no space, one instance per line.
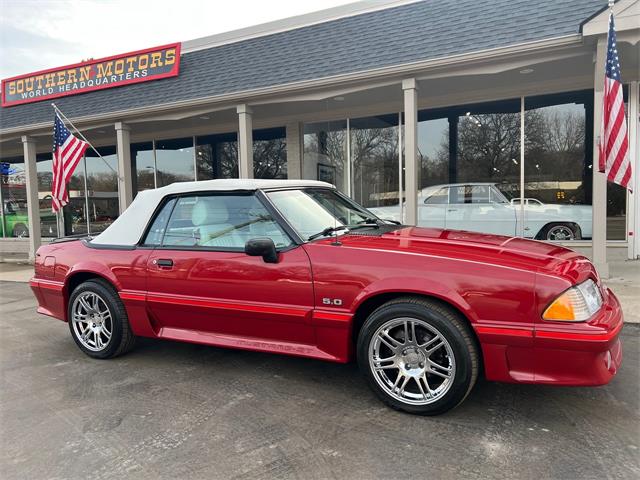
(16,220)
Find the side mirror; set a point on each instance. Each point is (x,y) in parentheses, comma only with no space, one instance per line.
(262,247)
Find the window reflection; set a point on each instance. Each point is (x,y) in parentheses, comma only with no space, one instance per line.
(217,156)
(325,153)
(174,161)
(102,180)
(558,168)
(433,151)
(44,168)
(144,166)
(488,146)
(270,153)
(375,160)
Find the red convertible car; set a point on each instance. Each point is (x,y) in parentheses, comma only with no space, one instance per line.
(295,267)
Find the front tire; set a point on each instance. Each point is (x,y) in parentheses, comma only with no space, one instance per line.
(98,320)
(418,356)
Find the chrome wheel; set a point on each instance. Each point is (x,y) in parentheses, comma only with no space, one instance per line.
(412,361)
(92,321)
(560,233)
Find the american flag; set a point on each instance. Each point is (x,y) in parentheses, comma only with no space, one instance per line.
(67,153)
(614,140)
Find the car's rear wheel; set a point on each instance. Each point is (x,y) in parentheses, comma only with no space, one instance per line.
(98,320)
(418,355)
(560,232)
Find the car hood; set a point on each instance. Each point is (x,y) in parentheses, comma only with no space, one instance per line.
(514,252)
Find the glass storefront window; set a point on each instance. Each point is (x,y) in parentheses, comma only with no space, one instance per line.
(75,212)
(217,156)
(174,161)
(144,165)
(102,184)
(44,168)
(616,212)
(13,199)
(470,167)
(558,167)
(325,153)
(270,153)
(488,146)
(433,151)
(375,160)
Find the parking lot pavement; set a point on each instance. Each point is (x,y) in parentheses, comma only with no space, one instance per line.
(171,410)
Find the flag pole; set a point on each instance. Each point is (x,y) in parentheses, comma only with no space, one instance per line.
(64,117)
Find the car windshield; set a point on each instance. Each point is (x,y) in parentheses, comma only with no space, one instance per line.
(312,211)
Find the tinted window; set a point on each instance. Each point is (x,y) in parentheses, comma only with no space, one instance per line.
(221,221)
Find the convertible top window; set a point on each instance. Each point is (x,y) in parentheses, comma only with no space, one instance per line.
(214,222)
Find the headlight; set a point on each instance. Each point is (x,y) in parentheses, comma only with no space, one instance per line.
(577,304)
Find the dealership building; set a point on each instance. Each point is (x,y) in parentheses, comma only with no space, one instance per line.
(384,99)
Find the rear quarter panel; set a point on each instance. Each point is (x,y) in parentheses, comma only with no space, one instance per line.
(58,263)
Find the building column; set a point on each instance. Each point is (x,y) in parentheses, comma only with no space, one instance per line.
(599,196)
(33,202)
(125,179)
(295,143)
(245,141)
(633,203)
(410,88)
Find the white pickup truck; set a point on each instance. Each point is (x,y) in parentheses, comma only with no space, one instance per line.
(482,207)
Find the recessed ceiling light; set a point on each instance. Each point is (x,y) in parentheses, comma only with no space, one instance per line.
(338,99)
(526,71)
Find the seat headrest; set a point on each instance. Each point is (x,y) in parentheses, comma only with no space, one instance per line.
(209,211)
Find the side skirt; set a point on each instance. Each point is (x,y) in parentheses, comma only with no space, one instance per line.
(245,343)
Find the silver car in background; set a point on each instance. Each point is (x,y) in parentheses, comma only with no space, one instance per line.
(482,207)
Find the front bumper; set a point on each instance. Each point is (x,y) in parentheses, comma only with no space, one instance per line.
(586,354)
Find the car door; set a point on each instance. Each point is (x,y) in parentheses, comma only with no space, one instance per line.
(471,208)
(200,280)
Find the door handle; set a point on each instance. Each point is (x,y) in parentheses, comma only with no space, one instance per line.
(164,262)
(452,209)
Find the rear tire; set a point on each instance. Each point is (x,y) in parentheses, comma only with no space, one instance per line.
(560,232)
(98,320)
(418,356)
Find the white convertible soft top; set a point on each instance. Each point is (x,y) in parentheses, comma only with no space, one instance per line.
(129,227)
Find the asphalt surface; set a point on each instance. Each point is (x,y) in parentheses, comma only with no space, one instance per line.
(172,410)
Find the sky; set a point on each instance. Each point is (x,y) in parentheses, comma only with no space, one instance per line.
(40,34)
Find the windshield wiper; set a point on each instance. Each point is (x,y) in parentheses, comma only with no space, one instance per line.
(330,230)
(379,221)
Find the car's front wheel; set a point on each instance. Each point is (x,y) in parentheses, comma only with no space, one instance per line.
(98,320)
(418,355)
